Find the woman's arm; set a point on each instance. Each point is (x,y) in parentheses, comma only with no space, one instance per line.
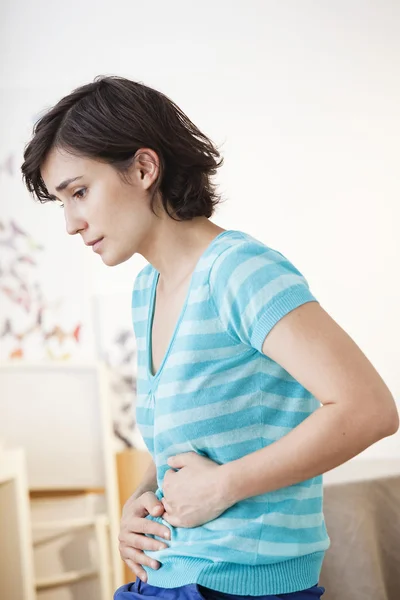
(358,408)
(149,481)
(357,411)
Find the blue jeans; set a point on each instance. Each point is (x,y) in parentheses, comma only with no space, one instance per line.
(194,591)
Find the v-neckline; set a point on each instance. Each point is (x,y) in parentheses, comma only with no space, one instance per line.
(149,341)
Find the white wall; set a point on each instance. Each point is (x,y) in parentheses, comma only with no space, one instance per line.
(303,96)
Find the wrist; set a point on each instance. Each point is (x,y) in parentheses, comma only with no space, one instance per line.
(227,479)
(142,490)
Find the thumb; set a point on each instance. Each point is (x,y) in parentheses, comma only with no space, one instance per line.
(157,509)
(176,461)
(182,460)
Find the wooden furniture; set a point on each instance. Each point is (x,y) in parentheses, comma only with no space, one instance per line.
(16,557)
(361,508)
(59,413)
(131,466)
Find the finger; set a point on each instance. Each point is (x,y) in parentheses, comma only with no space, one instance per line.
(154,528)
(140,558)
(142,542)
(157,510)
(144,526)
(150,502)
(137,570)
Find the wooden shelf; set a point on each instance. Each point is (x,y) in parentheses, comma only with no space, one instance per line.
(63,492)
(64,579)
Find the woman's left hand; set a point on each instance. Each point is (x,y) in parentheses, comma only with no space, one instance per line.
(194,495)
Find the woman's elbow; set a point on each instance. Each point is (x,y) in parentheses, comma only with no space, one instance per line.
(389,420)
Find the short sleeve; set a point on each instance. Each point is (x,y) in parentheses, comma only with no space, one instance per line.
(253,287)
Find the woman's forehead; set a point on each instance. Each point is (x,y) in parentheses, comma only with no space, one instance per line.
(60,166)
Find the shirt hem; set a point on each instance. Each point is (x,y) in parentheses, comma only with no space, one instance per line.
(283,577)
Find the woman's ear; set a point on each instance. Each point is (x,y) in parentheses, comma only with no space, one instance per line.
(146,167)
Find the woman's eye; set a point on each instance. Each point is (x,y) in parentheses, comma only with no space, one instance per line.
(80,193)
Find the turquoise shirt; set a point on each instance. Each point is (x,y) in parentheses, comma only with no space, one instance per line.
(216,394)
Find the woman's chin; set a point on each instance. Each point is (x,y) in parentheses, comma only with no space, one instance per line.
(110,261)
(113,260)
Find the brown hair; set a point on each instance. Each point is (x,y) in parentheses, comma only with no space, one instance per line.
(109,120)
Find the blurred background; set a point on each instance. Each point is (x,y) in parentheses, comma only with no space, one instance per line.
(303,100)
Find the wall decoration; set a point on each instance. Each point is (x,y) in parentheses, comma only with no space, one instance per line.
(24,319)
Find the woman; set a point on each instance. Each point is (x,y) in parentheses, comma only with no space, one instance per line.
(247,389)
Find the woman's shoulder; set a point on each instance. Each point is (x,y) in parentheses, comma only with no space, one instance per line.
(238,249)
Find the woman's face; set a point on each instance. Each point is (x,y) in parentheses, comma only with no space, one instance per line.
(99,205)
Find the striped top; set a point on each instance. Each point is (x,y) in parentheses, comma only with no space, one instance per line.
(216,394)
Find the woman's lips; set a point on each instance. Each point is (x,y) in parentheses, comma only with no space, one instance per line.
(97,245)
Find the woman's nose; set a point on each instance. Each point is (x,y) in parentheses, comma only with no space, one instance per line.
(73,223)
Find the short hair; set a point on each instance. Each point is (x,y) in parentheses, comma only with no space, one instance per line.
(109,120)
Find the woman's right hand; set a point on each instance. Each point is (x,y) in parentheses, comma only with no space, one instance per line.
(134,526)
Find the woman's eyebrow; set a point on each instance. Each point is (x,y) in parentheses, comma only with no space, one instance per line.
(66,183)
